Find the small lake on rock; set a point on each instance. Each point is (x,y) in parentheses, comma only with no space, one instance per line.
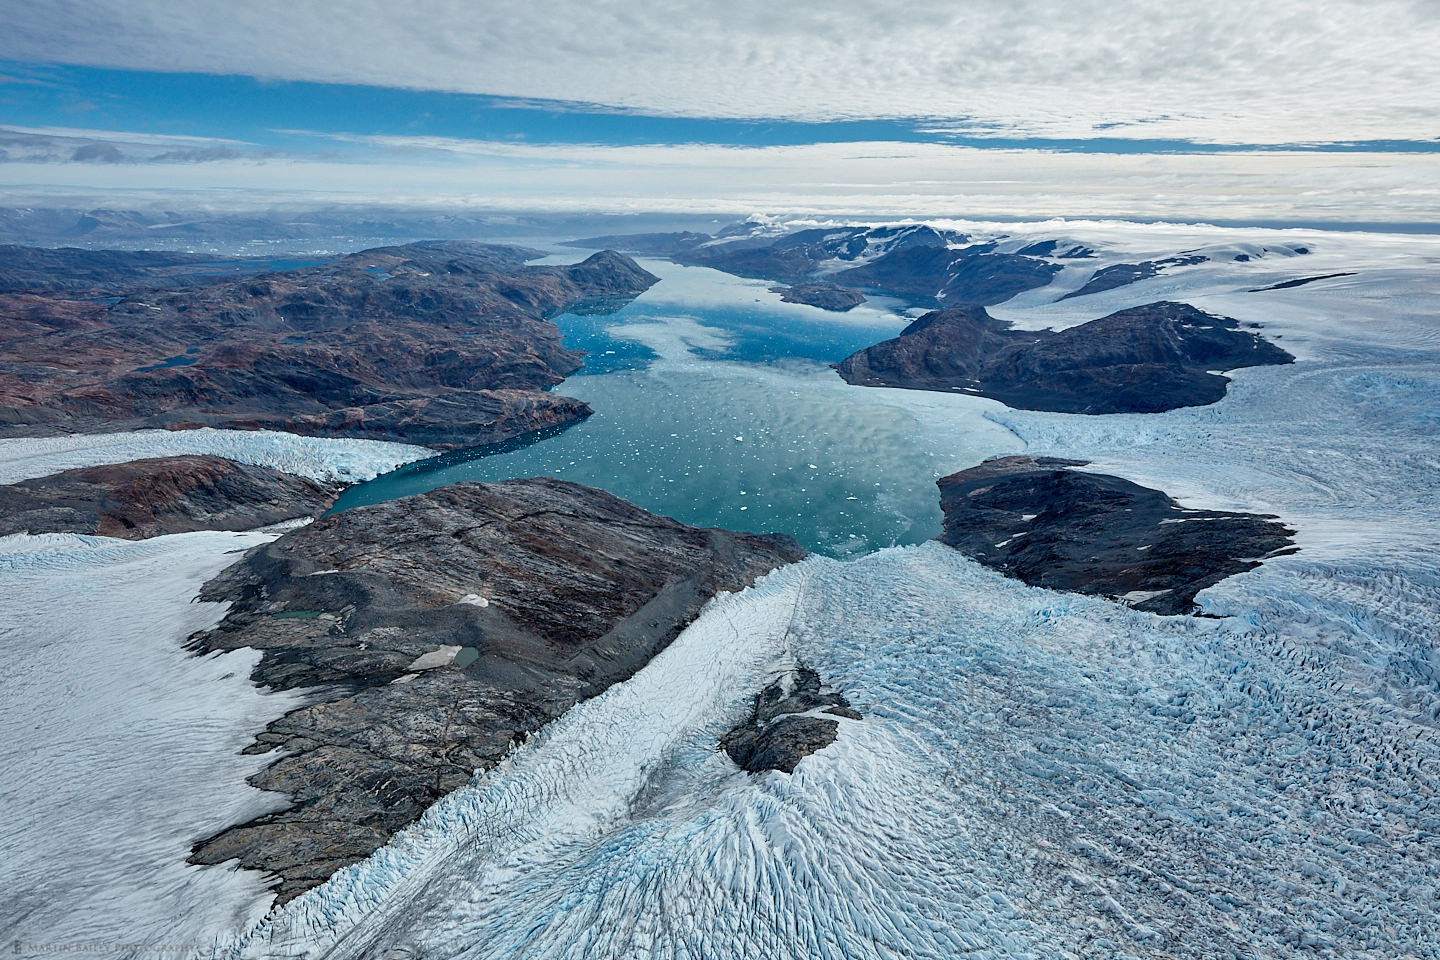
(715,404)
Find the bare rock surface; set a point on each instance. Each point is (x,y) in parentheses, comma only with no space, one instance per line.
(790,720)
(1142,360)
(440,344)
(915,262)
(1036,519)
(1124,274)
(439,629)
(77,271)
(148,498)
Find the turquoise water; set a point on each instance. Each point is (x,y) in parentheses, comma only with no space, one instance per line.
(715,404)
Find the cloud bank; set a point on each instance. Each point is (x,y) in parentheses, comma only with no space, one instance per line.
(878,179)
(1222,71)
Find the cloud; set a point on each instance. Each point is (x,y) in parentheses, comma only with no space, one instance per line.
(98,153)
(1223,70)
(75,145)
(873,179)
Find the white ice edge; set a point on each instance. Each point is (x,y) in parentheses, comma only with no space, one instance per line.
(318,458)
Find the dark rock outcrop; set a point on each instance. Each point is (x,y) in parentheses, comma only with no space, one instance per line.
(798,256)
(441,629)
(1300,281)
(826,296)
(783,727)
(441,344)
(940,275)
(1142,360)
(1049,248)
(1035,519)
(148,498)
(1123,274)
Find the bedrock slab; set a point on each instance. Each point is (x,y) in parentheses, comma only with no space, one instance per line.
(162,495)
(439,629)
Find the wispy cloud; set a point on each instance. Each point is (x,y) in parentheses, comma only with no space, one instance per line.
(1223,70)
(42,145)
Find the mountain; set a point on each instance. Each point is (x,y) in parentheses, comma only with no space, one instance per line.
(1142,360)
(915,262)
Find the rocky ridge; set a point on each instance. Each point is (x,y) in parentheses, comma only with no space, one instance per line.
(915,262)
(439,344)
(437,630)
(1142,360)
(1124,274)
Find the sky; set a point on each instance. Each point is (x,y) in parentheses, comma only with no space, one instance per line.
(1317,110)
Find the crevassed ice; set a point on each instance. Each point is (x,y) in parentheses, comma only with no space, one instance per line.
(1038,774)
(119,748)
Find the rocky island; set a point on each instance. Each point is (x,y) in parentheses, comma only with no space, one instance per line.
(826,296)
(1038,520)
(437,630)
(1142,360)
(445,345)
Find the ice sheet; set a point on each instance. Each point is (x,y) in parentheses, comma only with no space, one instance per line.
(120,749)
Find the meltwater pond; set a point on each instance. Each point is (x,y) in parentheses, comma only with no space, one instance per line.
(715,404)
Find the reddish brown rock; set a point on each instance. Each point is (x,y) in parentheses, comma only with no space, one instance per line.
(1141,360)
(148,498)
(445,345)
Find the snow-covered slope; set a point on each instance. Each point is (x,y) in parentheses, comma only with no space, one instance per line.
(120,749)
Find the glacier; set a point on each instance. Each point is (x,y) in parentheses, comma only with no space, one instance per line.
(1037,774)
(119,748)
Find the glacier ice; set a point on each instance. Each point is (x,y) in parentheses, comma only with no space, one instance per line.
(1036,775)
(119,748)
(318,458)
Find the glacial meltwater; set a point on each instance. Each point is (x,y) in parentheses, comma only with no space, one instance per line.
(715,404)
